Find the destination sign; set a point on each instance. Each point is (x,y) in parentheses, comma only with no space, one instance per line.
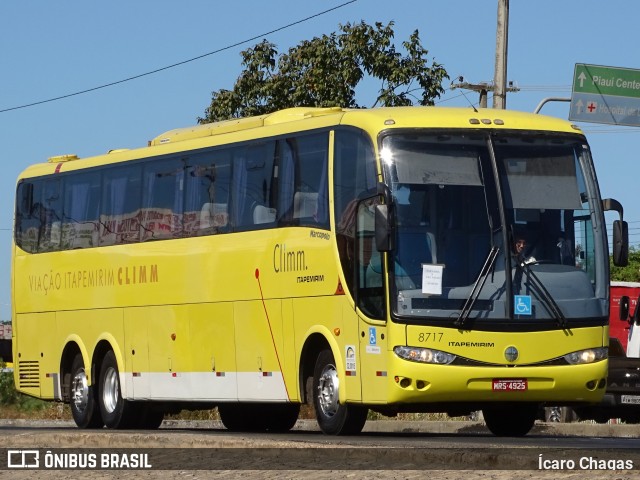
(605,95)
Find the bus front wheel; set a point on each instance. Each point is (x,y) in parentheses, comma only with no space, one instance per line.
(116,411)
(84,406)
(333,417)
(510,420)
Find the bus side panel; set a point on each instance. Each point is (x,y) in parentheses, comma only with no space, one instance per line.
(181,352)
(258,337)
(37,354)
(212,349)
(290,362)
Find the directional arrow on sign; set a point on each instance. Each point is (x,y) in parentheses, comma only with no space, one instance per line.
(582,77)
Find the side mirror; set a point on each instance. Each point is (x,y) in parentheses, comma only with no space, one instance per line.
(624,308)
(383,228)
(620,243)
(620,233)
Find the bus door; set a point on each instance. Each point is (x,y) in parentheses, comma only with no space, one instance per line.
(370,305)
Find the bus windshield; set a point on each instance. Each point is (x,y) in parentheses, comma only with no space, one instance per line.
(495,227)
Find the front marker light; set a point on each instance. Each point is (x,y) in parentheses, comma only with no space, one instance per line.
(590,355)
(424,355)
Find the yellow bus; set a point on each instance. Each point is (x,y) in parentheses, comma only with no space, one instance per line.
(353,259)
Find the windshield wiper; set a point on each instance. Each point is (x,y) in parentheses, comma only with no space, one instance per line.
(543,295)
(477,286)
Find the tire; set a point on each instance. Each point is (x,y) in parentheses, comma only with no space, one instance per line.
(252,417)
(559,414)
(83,401)
(148,417)
(510,420)
(631,417)
(117,412)
(238,417)
(281,417)
(333,417)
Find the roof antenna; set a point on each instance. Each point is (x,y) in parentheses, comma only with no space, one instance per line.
(482,88)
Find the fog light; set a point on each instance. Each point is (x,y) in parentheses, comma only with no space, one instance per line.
(405,382)
(591,385)
(602,383)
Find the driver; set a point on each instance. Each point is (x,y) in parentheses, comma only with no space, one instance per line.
(519,247)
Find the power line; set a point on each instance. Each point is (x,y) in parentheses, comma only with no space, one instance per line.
(135,77)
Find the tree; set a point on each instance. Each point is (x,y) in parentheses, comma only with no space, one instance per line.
(630,273)
(325,71)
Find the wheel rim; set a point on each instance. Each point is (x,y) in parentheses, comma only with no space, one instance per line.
(110,390)
(80,390)
(328,385)
(554,414)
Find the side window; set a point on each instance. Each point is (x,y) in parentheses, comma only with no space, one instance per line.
(50,216)
(252,200)
(162,199)
(81,210)
(311,196)
(208,181)
(354,174)
(302,168)
(28,210)
(120,207)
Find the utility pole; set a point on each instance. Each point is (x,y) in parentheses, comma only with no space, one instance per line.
(500,76)
(483,88)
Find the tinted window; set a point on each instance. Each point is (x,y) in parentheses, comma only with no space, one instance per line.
(80,226)
(120,215)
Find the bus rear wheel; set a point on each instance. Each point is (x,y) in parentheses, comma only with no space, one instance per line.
(116,411)
(510,420)
(149,418)
(257,417)
(333,417)
(84,406)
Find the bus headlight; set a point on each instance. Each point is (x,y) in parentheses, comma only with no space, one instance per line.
(424,355)
(587,356)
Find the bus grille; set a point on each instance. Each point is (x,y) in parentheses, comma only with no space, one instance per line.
(29,374)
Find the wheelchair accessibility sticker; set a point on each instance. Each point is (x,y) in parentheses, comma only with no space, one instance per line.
(373,340)
(522,304)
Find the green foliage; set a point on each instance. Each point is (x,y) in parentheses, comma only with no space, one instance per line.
(630,273)
(8,393)
(10,396)
(324,72)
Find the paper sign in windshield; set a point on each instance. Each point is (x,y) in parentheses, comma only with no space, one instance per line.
(432,279)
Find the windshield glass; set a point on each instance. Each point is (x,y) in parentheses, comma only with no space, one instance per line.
(459,198)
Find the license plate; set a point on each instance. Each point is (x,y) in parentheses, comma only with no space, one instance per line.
(633,399)
(509,384)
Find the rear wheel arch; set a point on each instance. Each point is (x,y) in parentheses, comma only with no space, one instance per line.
(101,349)
(69,353)
(313,345)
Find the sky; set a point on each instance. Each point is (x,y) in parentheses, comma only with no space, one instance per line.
(54,49)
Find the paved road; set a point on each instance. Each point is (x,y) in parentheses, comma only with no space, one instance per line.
(386,449)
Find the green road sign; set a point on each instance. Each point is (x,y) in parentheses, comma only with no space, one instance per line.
(605,95)
(622,82)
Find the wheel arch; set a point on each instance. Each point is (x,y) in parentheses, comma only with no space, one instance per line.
(316,341)
(72,347)
(104,345)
